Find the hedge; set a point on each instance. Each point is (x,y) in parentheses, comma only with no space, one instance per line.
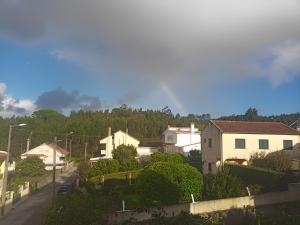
(270,180)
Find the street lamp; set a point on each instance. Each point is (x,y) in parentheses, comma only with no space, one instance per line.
(4,182)
(68,134)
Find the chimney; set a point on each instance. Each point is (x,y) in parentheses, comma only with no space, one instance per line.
(109,131)
(192,127)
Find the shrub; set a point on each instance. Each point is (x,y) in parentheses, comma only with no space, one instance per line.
(187,178)
(223,185)
(270,180)
(155,189)
(104,166)
(83,169)
(130,164)
(166,157)
(278,161)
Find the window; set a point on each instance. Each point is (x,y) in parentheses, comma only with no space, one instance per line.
(240,143)
(287,144)
(263,144)
(209,142)
(209,167)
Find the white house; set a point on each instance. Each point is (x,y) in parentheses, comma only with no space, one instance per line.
(45,152)
(112,142)
(235,141)
(182,139)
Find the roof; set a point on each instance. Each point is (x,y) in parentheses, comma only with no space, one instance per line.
(119,131)
(246,127)
(33,154)
(50,145)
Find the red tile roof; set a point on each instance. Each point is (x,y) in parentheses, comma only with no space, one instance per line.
(246,127)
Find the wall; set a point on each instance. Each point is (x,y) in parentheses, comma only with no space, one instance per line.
(122,138)
(213,154)
(252,146)
(204,207)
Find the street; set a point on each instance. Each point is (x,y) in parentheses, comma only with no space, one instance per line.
(33,209)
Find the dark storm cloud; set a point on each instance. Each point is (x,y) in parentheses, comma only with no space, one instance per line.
(189,45)
(61,100)
(10,106)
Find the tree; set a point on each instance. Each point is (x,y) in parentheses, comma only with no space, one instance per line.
(125,155)
(187,178)
(223,185)
(251,114)
(30,167)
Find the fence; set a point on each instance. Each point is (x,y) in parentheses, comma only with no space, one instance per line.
(204,207)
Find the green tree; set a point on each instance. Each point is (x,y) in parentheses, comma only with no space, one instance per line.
(125,155)
(251,114)
(30,167)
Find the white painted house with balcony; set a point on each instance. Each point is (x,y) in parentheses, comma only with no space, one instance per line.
(182,139)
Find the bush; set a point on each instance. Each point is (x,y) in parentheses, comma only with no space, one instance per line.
(130,164)
(104,166)
(166,157)
(223,185)
(278,161)
(187,178)
(155,189)
(269,180)
(83,169)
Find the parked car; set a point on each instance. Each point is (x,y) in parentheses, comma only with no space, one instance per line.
(64,188)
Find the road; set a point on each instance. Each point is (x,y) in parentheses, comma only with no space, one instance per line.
(33,209)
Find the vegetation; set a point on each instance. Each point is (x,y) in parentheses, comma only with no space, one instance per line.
(125,155)
(30,169)
(223,185)
(278,161)
(90,126)
(171,157)
(181,179)
(104,166)
(269,180)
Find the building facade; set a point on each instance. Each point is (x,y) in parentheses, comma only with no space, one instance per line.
(236,141)
(45,152)
(112,142)
(182,139)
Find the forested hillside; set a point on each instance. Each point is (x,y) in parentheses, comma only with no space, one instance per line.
(91,126)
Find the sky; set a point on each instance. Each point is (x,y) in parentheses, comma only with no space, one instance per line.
(195,56)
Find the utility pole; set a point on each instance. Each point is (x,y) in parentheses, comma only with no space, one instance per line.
(85,148)
(5,172)
(70,149)
(54,170)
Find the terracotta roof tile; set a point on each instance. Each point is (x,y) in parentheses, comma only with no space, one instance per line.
(246,127)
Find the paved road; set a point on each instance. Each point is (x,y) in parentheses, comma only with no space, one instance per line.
(32,210)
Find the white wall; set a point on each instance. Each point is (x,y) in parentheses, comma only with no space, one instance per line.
(252,144)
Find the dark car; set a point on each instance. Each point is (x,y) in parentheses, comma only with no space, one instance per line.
(64,189)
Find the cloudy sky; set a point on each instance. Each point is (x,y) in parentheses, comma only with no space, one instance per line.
(195,56)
